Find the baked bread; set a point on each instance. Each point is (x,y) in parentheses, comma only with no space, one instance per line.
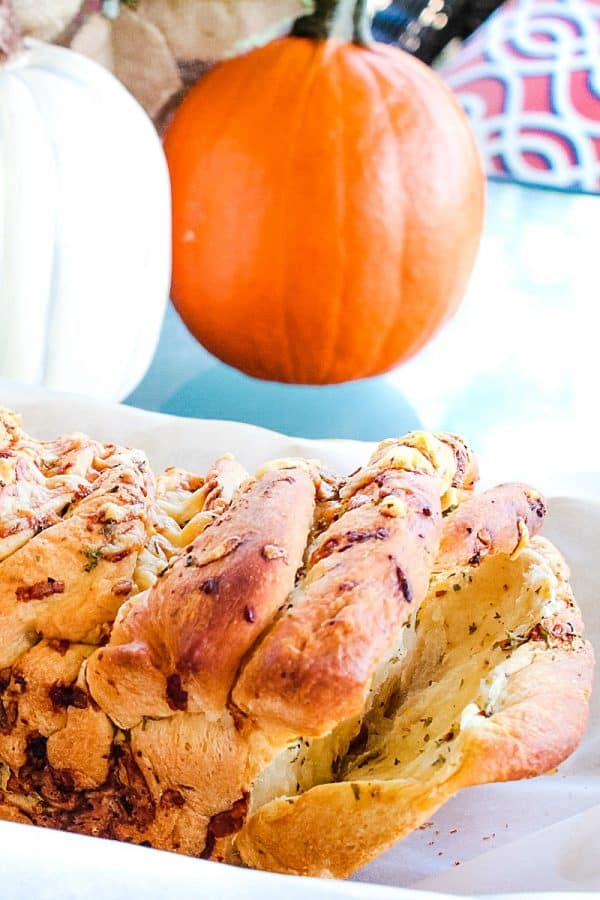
(287,670)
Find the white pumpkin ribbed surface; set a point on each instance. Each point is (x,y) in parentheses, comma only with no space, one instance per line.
(85,226)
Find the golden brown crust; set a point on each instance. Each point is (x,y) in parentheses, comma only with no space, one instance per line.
(379,676)
(368,570)
(540,726)
(180,647)
(203,764)
(60,583)
(37,484)
(35,695)
(445,457)
(10,813)
(526,718)
(309,835)
(466,473)
(70,767)
(185,505)
(365,573)
(496,521)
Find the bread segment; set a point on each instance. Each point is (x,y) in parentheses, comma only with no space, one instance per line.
(38,480)
(64,763)
(369,570)
(180,646)
(61,583)
(500,520)
(492,684)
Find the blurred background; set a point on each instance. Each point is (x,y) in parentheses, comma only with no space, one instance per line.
(518,362)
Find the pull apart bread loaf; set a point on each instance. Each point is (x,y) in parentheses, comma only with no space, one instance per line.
(286,671)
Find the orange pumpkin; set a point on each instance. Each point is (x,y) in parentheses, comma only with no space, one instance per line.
(327,209)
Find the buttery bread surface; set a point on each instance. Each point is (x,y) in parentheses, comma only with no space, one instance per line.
(287,670)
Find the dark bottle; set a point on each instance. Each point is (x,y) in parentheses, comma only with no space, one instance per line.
(425,27)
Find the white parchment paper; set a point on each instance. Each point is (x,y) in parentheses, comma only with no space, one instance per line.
(537,835)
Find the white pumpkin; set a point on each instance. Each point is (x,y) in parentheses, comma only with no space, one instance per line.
(85,226)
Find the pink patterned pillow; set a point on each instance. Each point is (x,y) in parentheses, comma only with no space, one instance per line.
(529,79)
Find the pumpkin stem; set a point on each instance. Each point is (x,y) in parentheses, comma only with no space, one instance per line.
(362,24)
(11,39)
(327,16)
(318,25)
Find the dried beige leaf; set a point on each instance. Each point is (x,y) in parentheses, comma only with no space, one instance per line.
(94,39)
(45,19)
(136,51)
(215,29)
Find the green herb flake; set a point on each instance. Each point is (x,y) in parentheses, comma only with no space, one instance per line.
(512,640)
(355,790)
(93,556)
(426,721)
(439,761)
(456,587)
(472,628)
(450,509)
